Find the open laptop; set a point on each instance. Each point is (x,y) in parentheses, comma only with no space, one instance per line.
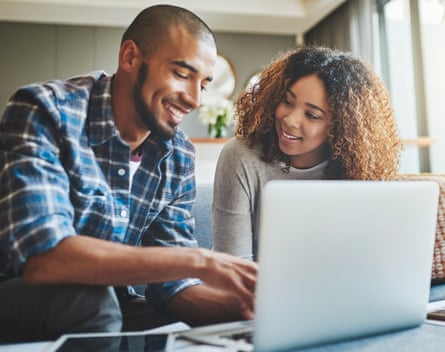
(338,260)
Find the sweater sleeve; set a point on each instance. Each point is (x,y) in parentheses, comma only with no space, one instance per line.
(234,200)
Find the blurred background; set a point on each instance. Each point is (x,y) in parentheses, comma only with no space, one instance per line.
(403,39)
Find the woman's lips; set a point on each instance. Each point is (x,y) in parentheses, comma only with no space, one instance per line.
(290,136)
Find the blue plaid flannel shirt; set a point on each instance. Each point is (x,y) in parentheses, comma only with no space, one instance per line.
(65,171)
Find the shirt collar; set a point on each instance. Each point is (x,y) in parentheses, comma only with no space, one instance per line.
(100,112)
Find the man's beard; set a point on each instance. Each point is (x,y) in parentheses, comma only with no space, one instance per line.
(147,116)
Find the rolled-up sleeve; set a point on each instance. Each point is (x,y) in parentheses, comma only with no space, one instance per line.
(35,211)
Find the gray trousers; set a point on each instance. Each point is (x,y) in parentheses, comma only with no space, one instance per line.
(31,312)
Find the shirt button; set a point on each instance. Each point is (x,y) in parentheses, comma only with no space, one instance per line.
(121,172)
(124,213)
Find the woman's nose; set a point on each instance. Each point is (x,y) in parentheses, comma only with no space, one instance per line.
(294,118)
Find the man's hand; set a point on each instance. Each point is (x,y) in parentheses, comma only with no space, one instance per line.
(232,274)
(228,293)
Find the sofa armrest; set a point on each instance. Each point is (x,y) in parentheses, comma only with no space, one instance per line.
(202,211)
(438,269)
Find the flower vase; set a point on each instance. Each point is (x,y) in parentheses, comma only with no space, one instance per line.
(217,131)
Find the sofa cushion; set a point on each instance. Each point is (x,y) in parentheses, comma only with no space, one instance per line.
(202,211)
(438,269)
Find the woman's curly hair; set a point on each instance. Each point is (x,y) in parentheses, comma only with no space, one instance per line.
(363,141)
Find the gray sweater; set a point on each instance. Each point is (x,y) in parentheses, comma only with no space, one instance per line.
(239,178)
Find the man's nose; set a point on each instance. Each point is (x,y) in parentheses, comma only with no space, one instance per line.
(192,96)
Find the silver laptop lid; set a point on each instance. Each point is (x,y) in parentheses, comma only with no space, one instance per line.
(342,259)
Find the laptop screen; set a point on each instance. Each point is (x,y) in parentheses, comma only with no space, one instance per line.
(342,259)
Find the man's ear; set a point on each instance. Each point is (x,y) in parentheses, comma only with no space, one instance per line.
(129,55)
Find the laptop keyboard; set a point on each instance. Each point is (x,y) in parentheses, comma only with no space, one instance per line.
(237,336)
(244,336)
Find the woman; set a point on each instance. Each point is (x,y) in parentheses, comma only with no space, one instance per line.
(315,113)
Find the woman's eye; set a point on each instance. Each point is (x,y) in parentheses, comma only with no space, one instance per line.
(287,102)
(311,116)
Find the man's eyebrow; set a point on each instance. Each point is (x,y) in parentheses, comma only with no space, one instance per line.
(192,68)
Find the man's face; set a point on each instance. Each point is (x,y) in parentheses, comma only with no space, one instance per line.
(170,82)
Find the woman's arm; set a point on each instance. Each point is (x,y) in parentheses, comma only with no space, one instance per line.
(233,206)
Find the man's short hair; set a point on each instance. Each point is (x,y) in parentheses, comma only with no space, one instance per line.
(154,24)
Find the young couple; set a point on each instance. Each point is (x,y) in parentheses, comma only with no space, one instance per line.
(98,179)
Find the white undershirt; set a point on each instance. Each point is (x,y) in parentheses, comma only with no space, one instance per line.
(133,167)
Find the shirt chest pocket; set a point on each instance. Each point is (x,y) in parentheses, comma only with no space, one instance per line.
(93,208)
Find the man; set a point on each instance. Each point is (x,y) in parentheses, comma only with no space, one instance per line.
(97,187)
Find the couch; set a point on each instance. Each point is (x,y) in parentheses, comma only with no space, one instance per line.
(202,210)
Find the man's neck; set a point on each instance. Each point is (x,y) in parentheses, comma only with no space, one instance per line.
(129,127)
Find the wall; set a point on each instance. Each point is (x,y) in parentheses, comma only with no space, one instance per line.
(35,52)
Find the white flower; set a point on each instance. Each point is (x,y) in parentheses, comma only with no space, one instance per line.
(217,111)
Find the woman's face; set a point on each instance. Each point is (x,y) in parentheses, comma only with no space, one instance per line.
(302,120)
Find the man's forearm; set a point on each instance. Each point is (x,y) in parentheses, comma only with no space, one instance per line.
(227,293)
(85,260)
